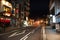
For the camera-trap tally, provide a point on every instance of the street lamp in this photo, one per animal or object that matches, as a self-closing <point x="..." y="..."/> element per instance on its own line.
<point x="51" y="15"/>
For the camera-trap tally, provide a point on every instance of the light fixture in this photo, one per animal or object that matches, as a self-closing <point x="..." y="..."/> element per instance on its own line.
<point x="51" y="15"/>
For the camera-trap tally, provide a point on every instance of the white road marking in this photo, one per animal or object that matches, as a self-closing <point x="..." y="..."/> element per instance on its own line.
<point x="20" y="33"/>
<point x="13" y="34"/>
<point x="25" y="37"/>
<point x="16" y="33"/>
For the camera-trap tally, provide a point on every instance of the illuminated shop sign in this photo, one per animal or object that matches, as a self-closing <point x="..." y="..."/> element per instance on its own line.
<point x="6" y="3"/>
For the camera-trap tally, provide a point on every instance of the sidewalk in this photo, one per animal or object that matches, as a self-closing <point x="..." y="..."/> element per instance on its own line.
<point x="52" y="35"/>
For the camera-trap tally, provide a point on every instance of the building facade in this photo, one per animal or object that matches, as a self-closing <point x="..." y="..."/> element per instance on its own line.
<point x="54" y="8"/>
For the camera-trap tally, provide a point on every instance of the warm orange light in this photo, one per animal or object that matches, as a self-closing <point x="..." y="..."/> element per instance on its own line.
<point x="7" y="14"/>
<point x="41" y="21"/>
<point x="36" y="23"/>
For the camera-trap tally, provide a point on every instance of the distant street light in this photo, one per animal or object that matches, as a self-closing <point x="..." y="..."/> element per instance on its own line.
<point x="51" y="15"/>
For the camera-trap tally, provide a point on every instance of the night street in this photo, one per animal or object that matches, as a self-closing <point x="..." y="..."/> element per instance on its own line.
<point x="37" y="35"/>
<point x="16" y="35"/>
<point x="29" y="19"/>
<point x="32" y="34"/>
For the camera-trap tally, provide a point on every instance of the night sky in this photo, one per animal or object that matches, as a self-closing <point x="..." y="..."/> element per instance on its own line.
<point x="39" y="8"/>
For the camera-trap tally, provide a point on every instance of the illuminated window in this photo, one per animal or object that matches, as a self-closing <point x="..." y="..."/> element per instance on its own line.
<point x="54" y="19"/>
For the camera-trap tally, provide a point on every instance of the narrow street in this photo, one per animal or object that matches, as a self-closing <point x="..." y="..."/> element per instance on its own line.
<point x="32" y="34"/>
<point x="51" y="34"/>
<point x="15" y="35"/>
<point x="37" y="35"/>
<point x="29" y="19"/>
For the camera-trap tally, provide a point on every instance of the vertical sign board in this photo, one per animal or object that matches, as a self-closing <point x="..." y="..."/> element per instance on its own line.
<point x="17" y="11"/>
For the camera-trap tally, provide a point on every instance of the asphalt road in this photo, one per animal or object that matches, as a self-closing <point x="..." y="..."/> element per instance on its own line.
<point x="16" y="35"/>
<point x="37" y="35"/>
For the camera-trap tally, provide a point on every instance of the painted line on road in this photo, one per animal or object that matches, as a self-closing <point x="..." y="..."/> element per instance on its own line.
<point x="25" y="37"/>
<point x="13" y="34"/>
<point x="16" y="34"/>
